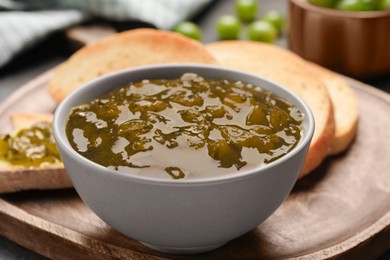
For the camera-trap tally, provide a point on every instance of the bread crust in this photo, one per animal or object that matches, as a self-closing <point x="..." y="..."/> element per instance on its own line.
<point x="291" y="71"/>
<point x="13" y="179"/>
<point x="24" y="120"/>
<point x="127" y="49"/>
<point x="346" y="110"/>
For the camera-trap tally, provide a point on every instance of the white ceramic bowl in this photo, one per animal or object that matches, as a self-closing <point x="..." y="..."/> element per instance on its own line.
<point x="181" y="216"/>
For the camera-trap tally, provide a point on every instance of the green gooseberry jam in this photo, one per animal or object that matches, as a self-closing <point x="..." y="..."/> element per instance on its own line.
<point x="189" y="127"/>
<point x="30" y="147"/>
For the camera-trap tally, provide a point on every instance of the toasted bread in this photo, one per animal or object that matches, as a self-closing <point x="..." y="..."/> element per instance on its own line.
<point x="290" y="71"/>
<point x="13" y="179"/>
<point x="127" y="49"/>
<point x="345" y="103"/>
<point x="16" y="178"/>
<point x="24" y="120"/>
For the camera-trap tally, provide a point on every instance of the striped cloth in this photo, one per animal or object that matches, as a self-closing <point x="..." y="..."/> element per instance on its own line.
<point x="23" y="24"/>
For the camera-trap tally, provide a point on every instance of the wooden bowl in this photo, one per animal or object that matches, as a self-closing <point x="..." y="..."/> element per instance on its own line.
<point x="353" y="43"/>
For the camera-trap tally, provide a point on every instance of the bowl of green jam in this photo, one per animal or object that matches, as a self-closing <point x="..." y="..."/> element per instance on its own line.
<point x="183" y="157"/>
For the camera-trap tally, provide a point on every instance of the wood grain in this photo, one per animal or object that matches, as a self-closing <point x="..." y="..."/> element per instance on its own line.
<point x="342" y="210"/>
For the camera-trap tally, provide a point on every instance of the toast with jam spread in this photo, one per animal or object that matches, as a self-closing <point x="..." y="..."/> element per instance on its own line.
<point x="29" y="158"/>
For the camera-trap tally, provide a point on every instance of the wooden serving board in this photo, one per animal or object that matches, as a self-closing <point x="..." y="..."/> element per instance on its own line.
<point x="341" y="210"/>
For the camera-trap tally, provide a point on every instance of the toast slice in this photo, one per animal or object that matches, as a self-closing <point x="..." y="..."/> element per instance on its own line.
<point x="291" y="71"/>
<point x="122" y="50"/>
<point x="25" y="120"/>
<point x="16" y="178"/>
<point x="346" y="110"/>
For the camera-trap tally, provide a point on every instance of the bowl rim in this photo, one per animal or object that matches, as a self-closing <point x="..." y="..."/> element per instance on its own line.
<point x="304" y="4"/>
<point x="62" y="140"/>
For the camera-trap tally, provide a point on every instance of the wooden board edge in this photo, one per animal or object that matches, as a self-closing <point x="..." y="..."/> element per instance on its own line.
<point x="51" y="238"/>
<point x="370" y="243"/>
<point x="38" y="81"/>
<point x="368" y="88"/>
<point x="364" y="245"/>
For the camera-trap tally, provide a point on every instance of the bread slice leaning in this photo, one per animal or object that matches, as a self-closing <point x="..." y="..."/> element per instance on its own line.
<point x="122" y="50"/>
<point x="15" y="178"/>
<point x="290" y="71"/>
<point x="345" y="104"/>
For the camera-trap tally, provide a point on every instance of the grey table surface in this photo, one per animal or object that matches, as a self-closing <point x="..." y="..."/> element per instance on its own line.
<point x="55" y="50"/>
